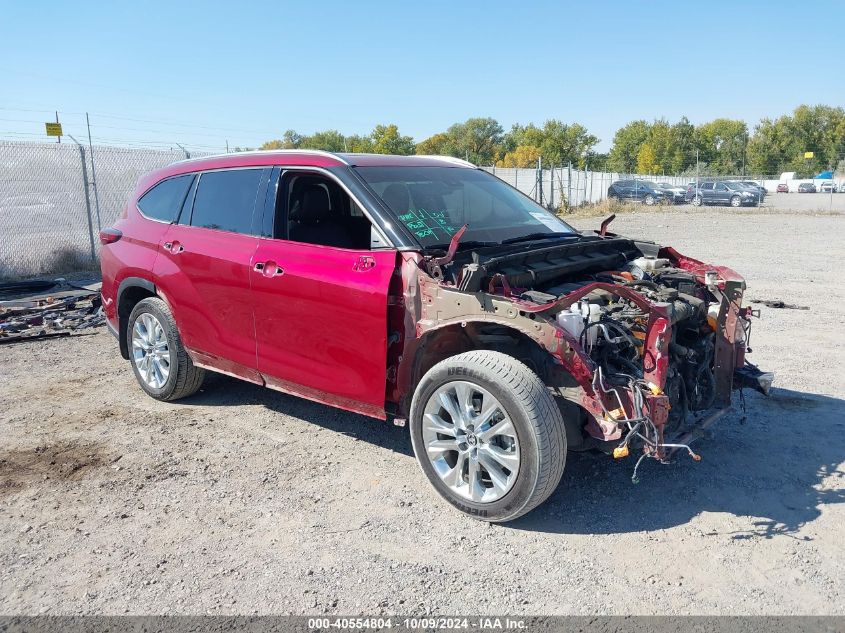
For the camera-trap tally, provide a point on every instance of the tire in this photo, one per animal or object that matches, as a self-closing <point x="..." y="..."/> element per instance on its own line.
<point x="162" y="347"/>
<point x="736" y="201"/>
<point x="649" y="200"/>
<point x="697" y="201"/>
<point x="535" y="435"/>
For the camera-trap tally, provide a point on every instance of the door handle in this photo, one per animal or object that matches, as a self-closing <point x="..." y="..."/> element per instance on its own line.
<point x="268" y="269"/>
<point x="174" y="247"/>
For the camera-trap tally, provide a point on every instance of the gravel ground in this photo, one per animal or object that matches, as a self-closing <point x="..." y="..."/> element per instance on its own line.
<point x="243" y="500"/>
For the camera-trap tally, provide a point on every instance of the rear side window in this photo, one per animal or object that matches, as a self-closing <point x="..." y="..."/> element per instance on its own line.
<point x="225" y="200"/>
<point x="164" y="201"/>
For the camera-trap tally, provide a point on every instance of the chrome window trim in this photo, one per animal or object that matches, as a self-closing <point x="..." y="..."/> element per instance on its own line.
<point x="353" y="197"/>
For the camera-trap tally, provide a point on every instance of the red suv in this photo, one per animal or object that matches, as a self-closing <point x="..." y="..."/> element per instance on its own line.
<point x="425" y="291"/>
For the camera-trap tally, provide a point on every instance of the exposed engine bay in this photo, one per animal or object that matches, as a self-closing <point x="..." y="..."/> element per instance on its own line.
<point x="656" y="341"/>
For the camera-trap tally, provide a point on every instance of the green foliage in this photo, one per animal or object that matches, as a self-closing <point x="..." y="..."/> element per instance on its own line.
<point x="626" y="146"/>
<point x="387" y="140"/>
<point x="522" y="156"/>
<point x="559" y="143"/>
<point x="438" y="145"/>
<point x="477" y="139"/>
<point x="718" y="147"/>
<point x="384" y="139"/>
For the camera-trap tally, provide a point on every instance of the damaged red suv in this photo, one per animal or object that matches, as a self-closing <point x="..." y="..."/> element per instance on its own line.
<point x="425" y="291"/>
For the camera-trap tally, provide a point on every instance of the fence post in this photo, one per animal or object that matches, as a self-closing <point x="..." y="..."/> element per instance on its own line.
<point x="540" y="179"/>
<point x="87" y="198"/>
<point x="569" y="184"/>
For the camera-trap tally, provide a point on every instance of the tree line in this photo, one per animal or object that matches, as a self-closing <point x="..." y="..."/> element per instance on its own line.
<point x="719" y="147"/>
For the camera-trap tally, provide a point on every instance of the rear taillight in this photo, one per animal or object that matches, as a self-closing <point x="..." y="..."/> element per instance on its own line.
<point x="110" y="235"/>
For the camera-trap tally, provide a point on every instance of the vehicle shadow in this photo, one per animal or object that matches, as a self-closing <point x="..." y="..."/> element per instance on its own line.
<point x="780" y="467"/>
<point x="219" y="390"/>
<point x="772" y="466"/>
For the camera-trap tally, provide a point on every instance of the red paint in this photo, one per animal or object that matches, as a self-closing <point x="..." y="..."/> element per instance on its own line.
<point x="321" y="326"/>
<point x="205" y="276"/>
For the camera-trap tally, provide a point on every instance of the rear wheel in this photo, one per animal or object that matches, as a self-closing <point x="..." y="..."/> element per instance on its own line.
<point x="488" y="435"/>
<point x="649" y="200"/>
<point x="736" y="201"/>
<point x="697" y="201"/>
<point x="159" y="360"/>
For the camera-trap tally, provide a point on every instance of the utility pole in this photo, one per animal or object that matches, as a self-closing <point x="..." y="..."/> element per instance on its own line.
<point x="93" y="173"/>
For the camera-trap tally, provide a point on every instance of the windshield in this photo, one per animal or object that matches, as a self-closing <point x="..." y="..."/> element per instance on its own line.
<point x="435" y="202"/>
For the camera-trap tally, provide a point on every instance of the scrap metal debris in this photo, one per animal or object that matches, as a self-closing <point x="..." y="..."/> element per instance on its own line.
<point x="43" y="316"/>
<point x="777" y="303"/>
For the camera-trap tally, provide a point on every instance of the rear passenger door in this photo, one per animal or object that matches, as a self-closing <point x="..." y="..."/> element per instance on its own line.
<point x="707" y="192"/>
<point x="204" y="269"/>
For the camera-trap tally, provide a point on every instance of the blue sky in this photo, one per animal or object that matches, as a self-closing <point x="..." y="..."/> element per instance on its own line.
<point x="203" y="73"/>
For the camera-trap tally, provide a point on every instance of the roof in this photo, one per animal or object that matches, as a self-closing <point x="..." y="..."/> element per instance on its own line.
<point x="298" y="157"/>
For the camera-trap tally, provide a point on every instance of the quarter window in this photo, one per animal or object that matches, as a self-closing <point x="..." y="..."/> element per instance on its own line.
<point x="225" y="200"/>
<point x="164" y="201"/>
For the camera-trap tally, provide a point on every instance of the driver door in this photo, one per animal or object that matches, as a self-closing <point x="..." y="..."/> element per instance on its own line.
<point x="321" y="311"/>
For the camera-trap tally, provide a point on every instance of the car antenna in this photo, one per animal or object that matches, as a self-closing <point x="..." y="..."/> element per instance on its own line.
<point x="606" y="223"/>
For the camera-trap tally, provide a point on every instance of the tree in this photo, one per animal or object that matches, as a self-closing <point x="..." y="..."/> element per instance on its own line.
<point x="683" y="146"/>
<point x="477" y="139"/>
<point x="626" y="146"/>
<point x="290" y="140"/>
<point x="522" y="156"/>
<point x="646" y="161"/>
<point x="327" y="140"/>
<point x="722" y="144"/>
<point x="559" y="143"/>
<point x="437" y="145"/>
<point x="387" y="140"/>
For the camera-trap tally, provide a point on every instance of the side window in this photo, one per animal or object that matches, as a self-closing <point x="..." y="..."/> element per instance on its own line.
<point x="164" y="201"/>
<point x="225" y="200"/>
<point x="314" y="209"/>
<point x="720" y="186"/>
<point x="707" y="186"/>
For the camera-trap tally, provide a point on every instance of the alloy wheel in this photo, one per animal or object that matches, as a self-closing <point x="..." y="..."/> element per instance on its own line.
<point x="150" y="351"/>
<point x="471" y="442"/>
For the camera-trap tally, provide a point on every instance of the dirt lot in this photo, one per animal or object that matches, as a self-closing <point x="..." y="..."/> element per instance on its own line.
<point x="242" y="500"/>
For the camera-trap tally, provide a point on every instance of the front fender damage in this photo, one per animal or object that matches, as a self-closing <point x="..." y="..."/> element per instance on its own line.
<point x="651" y="365"/>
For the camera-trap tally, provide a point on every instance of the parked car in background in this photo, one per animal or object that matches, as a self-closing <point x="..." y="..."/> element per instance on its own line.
<point x="387" y="286"/>
<point x="639" y="190"/>
<point x="756" y="186"/>
<point x="722" y="192"/>
<point x="806" y="187"/>
<point x="783" y="187"/>
<point x="674" y="193"/>
<point x="828" y="186"/>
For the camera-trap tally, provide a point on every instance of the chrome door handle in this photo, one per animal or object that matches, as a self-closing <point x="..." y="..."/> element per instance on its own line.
<point x="174" y="247"/>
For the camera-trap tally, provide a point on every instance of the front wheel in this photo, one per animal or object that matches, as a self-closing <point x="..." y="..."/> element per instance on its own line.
<point x="488" y="435"/>
<point x="736" y="201"/>
<point x="649" y="200"/>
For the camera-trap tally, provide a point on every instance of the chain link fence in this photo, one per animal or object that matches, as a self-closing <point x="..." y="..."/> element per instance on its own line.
<point x="54" y="199"/>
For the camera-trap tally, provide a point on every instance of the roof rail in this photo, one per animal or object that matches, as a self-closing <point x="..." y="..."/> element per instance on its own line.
<point x="316" y="152"/>
<point x="451" y="159"/>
